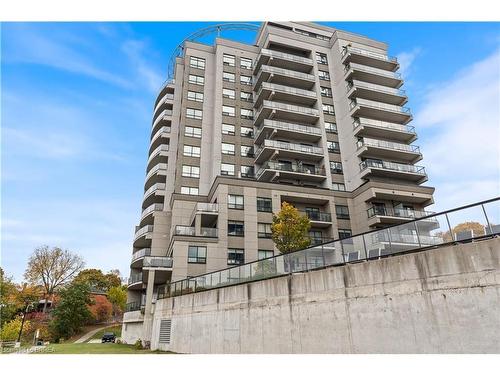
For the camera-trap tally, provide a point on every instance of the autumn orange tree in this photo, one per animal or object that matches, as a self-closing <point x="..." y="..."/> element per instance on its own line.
<point x="290" y="229"/>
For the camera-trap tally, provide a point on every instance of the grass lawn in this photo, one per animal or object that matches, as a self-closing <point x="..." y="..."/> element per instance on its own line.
<point x="117" y="330"/>
<point x="85" y="348"/>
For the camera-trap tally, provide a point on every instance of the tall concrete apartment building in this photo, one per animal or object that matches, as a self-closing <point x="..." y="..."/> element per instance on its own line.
<point x="309" y="114"/>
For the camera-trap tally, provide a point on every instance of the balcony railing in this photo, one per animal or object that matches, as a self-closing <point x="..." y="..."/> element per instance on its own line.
<point x="157" y="262"/>
<point x="375" y="55"/>
<point x="151" y="208"/>
<point x="290" y="147"/>
<point x="384" y="125"/>
<point x="141" y="253"/>
<point x="162" y="116"/>
<point x="143" y="230"/>
<point x="397" y="212"/>
<point x="289" y="127"/>
<point x="182" y="230"/>
<point x="156" y="168"/>
<point x="163" y="129"/>
<point x="286" y="72"/>
<point x="291" y="167"/>
<point x="206" y="207"/>
<point x="378" y="105"/>
<point x="286" y="89"/>
<point x="388" y="145"/>
<point x="318" y="216"/>
<point x="155" y="187"/>
<point x="371" y="163"/>
<point x="133" y="306"/>
<point x="285" y="56"/>
<point x="157" y="150"/>
<point x="380" y="72"/>
<point x="397" y="239"/>
<point x="135" y="278"/>
<point x="165" y="97"/>
<point x="374" y="87"/>
<point x="289" y="108"/>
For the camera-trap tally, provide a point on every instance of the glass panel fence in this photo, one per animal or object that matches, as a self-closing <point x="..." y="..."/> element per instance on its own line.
<point x="492" y="210"/>
<point x="467" y="223"/>
<point x="353" y="249"/>
<point x="433" y="232"/>
<point x="332" y="253"/>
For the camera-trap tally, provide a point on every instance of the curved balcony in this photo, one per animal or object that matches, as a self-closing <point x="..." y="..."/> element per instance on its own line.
<point x="381" y="168"/>
<point x="271" y="128"/>
<point x="372" y="75"/>
<point x="143" y="231"/>
<point x="159" y="137"/>
<point x="380" y="111"/>
<point x="167" y="87"/>
<point x="138" y="256"/>
<point x="154" y="194"/>
<point x="168" y="98"/>
<point x="147" y="213"/>
<point x="135" y="281"/>
<point x="275" y="171"/>
<point x="270" y="148"/>
<point x="286" y="112"/>
<point x="156" y="175"/>
<point x="283" y="60"/>
<point x="273" y="91"/>
<point x="158" y="155"/>
<point x="375" y="148"/>
<point x="364" y="57"/>
<point x="165" y="115"/>
<point x="364" y="90"/>
<point x="383" y="129"/>
<point x="285" y="77"/>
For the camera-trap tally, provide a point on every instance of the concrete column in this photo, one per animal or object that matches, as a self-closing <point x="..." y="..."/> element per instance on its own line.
<point x="148" y="311"/>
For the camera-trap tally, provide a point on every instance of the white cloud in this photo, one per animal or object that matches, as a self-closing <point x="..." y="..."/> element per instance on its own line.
<point x="461" y="119"/>
<point x="406" y="60"/>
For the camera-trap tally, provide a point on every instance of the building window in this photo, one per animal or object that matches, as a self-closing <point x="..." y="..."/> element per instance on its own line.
<point x="330" y="127"/>
<point x="325" y="76"/>
<point x="228" y="129"/>
<point x="190" y="131"/>
<point x="342" y="212"/>
<point x="228" y="77"/>
<point x="235" y="228"/>
<point x="263" y="254"/>
<point x="336" y="167"/>
<point x="245" y="63"/>
<point x="197" y="254"/>
<point x="246" y="113"/>
<point x="264" y="204"/>
<point x="190" y="171"/>
<point x="228" y="110"/>
<point x="235" y="202"/>
<point x="247" y="171"/>
<point x="333" y="147"/>
<point x="193" y="151"/>
<point x="227" y="169"/>
<point x="338" y="186"/>
<point x="235" y="256"/>
<point x="196" y="80"/>
<point x="229" y="60"/>
<point x="195" y="96"/>
<point x="264" y="230"/>
<point x="197" y="114"/>
<point x="247" y="151"/>
<point x="189" y="190"/>
<point x="246" y="132"/>
<point x="328" y="109"/>
<point x="197" y="62"/>
<point x="326" y="91"/>
<point x="344" y="233"/>
<point x="228" y="93"/>
<point x="245" y="80"/>
<point x="321" y="58"/>
<point x="246" y="96"/>
<point x="228" y="149"/>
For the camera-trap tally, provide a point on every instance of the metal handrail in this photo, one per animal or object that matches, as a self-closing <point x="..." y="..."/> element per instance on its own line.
<point x="287" y="89"/>
<point x="384" y="124"/>
<point x="381" y="72"/>
<point x="135" y="278"/>
<point x="289" y="107"/>
<point x="290" y="167"/>
<point x="382" y="164"/>
<point x="372" y="86"/>
<point x="388" y="145"/>
<point x="288" y="126"/>
<point x="290" y="146"/>
<point x="286" y="56"/>
<point x="286" y="72"/>
<point x="376" y="55"/>
<point x="414" y="235"/>
<point x="141" y="253"/>
<point x="397" y="212"/>
<point x="378" y="105"/>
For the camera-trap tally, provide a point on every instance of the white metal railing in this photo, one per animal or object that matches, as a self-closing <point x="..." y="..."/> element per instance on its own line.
<point x="290" y="147"/>
<point x="384" y="124"/>
<point x="285" y="56"/>
<point x="367" y="69"/>
<point x="156" y="168"/>
<point x="389" y="165"/>
<point x="388" y="145"/>
<point x="379" y="88"/>
<point x="155" y="187"/>
<point x="141" y="253"/>
<point x="287" y="89"/>
<point x="289" y="107"/>
<point x="143" y="230"/>
<point x="378" y="105"/>
<point x="363" y="52"/>
<point x="290" y="127"/>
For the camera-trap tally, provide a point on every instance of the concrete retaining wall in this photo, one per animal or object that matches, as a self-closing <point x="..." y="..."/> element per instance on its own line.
<point x="444" y="300"/>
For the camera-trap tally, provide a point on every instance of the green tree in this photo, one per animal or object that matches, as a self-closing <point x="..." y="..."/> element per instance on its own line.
<point x="97" y="280"/>
<point x="10" y="330"/>
<point x="117" y="295"/>
<point x="113" y="278"/>
<point x="52" y="268"/>
<point x="8" y="302"/>
<point x="290" y="229"/>
<point x="72" y="312"/>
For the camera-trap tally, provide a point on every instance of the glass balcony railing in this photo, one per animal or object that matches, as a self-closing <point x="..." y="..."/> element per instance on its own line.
<point x="318" y="216"/>
<point x="388" y="145"/>
<point x="397" y="239"/>
<point x="397" y="212"/>
<point x="152" y="208"/>
<point x="374" y="87"/>
<point x="291" y="167"/>
<point x="290" y="147"/>
<point x="162" y="116"/>
<point x="289" y="127"/>
<point x="380" y="72"/>
<point x="289" y="108"/>
<point x="206" y="207"/>
<point x="143" y="230"/>
<point x="141" y="253"/>
<point x="162" y="130"/>
<point x="286" y="89"/>
<point x="363" y="52"/>
<point x="286" y="72"/>
<point x="156" y="168"/>
<point x="157" y="150"/>
<point x="378" y="105"/>
<point x="155" y="187"/>
<point x="371" y="163"/>
<point x="285" y="56"/>
<point x="135" y="278"/>
<point x="384" y="125"/>
<point x="182" y="230"/>
<point x="157" y="261"/>
<point x="165" y="97"/>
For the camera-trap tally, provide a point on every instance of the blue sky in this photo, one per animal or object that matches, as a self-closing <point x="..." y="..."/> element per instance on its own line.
<point x="76" y="107"/>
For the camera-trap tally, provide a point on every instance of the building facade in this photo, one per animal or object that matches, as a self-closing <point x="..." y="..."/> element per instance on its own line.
<point x="310" y="115"/>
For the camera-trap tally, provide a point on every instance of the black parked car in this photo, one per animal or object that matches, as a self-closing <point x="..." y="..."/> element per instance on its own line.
<point x="108" y="337"/>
